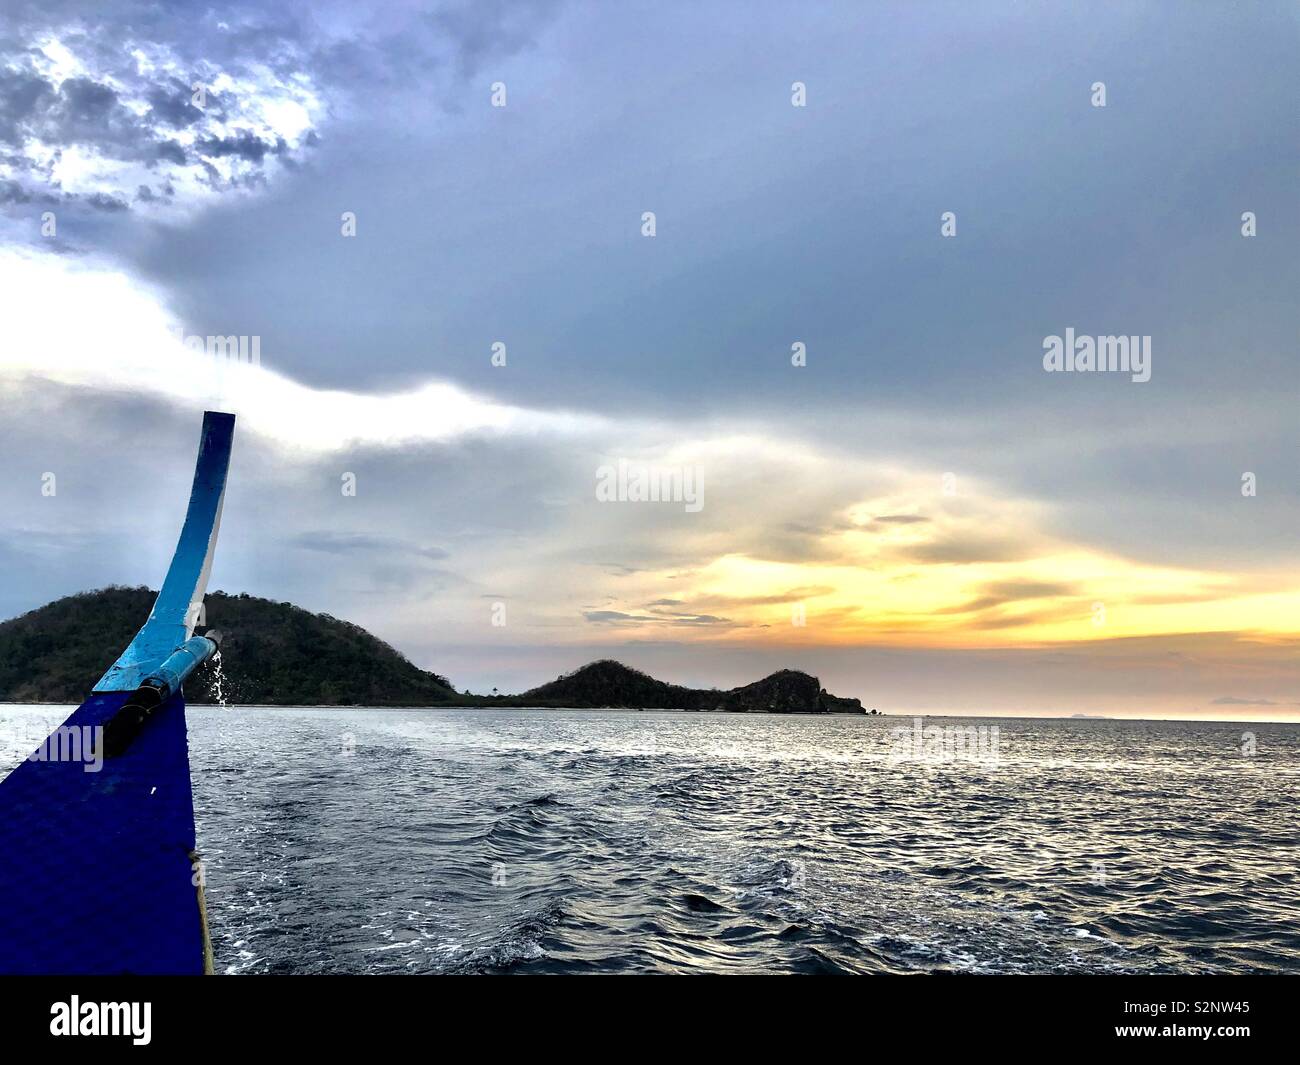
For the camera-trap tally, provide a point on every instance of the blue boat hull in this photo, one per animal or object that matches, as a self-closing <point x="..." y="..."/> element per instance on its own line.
<point x="97" y="866"/>
<point x="97" y="874"/>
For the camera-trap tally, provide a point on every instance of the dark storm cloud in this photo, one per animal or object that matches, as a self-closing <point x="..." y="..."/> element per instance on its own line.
<point x="102" y="201"/>
<point x="86" y="113"/>
<point x="87" y="103"/>
<point x="244" y="145"/>
<point x="79" y="111"/>
<point x="22" y="95"/>
<point x="133" y="97"/>
<point x="171" y="104"/>
<point x="166" y="151"/>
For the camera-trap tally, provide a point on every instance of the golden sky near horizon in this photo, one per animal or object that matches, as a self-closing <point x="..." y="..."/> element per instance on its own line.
<point x="929" y="571"/>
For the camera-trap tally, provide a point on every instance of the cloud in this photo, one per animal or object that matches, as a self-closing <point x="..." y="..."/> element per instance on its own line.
<point x="603" y="617"/>
<point x="1010" y="591"/>
<point x="783" y="598"/>
<point x="1230" y="700"/>
<point x="243" y="144"/>
<point x="334" y="543"/>
<point x="164" y="109"/>
<point x="121" y="339"/>
<point x="785" y="521"/>
<point x="171" y="103"/>
<point x="91" y="114"/>
<point x="968" y="546"/>
<point x="619" y="617"/>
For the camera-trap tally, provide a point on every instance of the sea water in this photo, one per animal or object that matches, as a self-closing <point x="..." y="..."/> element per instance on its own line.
<point x="393" y="841"/>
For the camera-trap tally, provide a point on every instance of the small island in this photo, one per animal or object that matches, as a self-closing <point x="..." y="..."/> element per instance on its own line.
<point x="611" y="684"/>
<point x="277" y="654"/>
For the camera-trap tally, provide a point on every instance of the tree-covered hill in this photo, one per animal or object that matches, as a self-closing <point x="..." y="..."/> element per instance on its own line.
<point x="610" y="683"/>
<point x="274" y="653"/>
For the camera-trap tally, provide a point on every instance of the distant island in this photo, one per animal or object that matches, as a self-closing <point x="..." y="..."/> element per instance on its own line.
<point x="612" y="684"/>
<point x="277" y="654"/>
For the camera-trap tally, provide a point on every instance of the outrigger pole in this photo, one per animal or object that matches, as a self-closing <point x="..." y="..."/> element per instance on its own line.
<point x="98" y="872"/>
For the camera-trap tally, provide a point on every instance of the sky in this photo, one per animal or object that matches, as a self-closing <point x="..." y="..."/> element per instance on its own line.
<point x="800" y="264"/>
